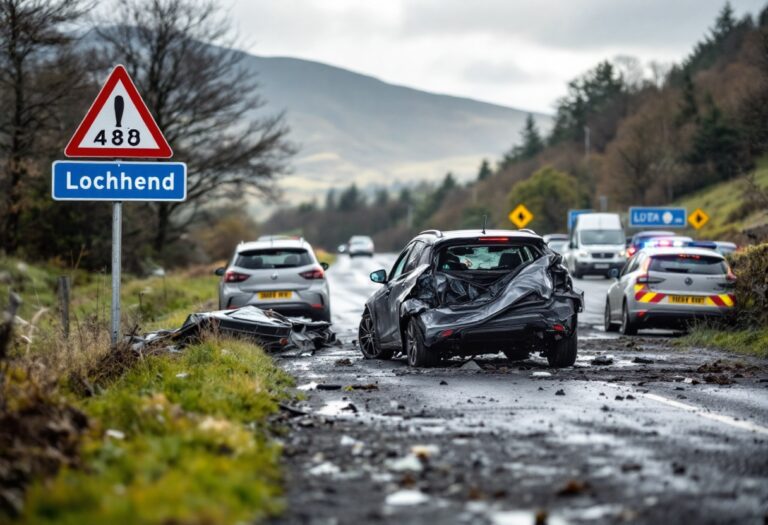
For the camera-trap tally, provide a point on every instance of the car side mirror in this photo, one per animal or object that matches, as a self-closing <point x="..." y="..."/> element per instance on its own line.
<point x="379" y="276"/>
<point x="324" y="265"/>
<point x="219" y="271"/>
<point x="614" y="273"/>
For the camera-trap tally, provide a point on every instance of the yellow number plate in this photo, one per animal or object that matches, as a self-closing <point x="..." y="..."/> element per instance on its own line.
<point x="275" y="295"/>
<point x="687" y="299"/>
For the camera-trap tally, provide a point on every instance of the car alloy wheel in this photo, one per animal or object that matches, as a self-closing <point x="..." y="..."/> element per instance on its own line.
<point x="627" y="328"/>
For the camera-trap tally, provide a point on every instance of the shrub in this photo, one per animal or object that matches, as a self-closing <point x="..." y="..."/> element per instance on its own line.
<point x="751" y="269"/>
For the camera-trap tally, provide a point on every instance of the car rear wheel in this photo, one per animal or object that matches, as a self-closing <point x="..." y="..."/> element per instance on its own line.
<point x="366" y="337"/>
<point x="627" y="327"/>
<point x="609" y="325"/>
<point x="418" y="354"/>
<point x="563" y="352"/>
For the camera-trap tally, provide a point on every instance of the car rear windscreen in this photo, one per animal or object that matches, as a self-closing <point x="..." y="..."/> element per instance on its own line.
<point x="273" y="258"/>
<point x="495" y="257"/>
<point x="688" y="263"/>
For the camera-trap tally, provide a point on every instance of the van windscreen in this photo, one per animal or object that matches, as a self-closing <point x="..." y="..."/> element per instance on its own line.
<point x="602" y="237"/>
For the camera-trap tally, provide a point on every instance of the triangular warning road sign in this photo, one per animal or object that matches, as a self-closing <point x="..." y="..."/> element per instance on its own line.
<point x="118" y="124"/>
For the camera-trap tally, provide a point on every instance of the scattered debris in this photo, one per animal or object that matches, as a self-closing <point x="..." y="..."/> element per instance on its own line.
<point x="424" y="452"/>
<point x="307" y="386"/>
<point x="182" y="375"/>
<point x="560" y="392"/>
<point x="114" y="434"/>
<point x="367" y="387"/>
<point x="718" y="379"/>
<point x="269" y="328"/>
<point x="343" y="362"/>
<point x="619" y="398"/>
<point x="443" y="382"/>
<point x="678" y="469"/>
<point x="471" y="365"/>
<point x="404" y="498"/>
<point x="602" y="360"/>
<point x="574" y="487"/>
<point x="631" y="467"/>
<point x="642" y="360"/>
<point x="541" y="374"/>
<point x="327" y="386"/>
<point x="409" y="463"/>
<point x="691" y="381"/>
<point x="324" y="469"/>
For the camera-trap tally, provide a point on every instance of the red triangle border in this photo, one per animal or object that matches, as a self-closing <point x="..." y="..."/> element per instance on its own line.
<point x="118" y="74"/>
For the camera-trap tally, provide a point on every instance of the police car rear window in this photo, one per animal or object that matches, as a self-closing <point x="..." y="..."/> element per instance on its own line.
<point x="688" y="263"/>
<point x="273" y="258"/>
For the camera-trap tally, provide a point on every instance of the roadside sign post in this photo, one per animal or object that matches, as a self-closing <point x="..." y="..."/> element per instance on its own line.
<point x="117" y="238"/>
<point x="660" y="217"/>
<point x="118" y="125"/>
<point x="520" y="216"/>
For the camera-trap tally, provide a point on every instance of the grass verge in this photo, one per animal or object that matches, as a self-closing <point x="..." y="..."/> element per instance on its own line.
<point x="155" y="438"/>
<point x="745" y="342"/>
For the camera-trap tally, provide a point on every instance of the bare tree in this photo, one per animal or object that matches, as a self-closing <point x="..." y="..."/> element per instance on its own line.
<point x="179" y="53"/>
<point x="36" y="76"/>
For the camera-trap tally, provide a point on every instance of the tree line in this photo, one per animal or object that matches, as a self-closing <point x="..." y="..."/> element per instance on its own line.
<point x="625" y="133"/>
<point x="53" y="56"/>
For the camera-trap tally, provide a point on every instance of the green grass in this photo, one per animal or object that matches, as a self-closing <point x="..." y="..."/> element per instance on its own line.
<point x="194" y="440"/>
<point x="153" y="302"/>
<point x="195" y="446"/>
<point x="744" y="342"/>
<point x="722" y="203"/>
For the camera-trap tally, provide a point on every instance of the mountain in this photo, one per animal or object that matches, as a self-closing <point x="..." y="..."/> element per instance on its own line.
<point x="353" y="127"/>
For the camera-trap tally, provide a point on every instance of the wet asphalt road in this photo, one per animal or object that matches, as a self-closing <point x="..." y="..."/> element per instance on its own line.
<point x="663" y="434"/>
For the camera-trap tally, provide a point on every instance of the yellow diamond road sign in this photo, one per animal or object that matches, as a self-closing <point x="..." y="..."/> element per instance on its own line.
<point x="698" y="218"/>
<point x="520" y="216"/>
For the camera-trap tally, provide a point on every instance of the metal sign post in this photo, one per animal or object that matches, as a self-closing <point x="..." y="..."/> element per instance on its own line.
<point x="117" y="237"/>
<point x="118" y="124"/>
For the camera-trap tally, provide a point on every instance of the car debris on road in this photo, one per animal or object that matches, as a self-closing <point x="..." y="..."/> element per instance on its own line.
<point x="268" y="328"/>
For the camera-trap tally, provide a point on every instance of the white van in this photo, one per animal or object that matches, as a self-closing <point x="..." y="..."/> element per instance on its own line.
<point x="597" y="245"/>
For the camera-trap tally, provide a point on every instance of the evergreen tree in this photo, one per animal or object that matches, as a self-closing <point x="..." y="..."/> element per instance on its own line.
<point x="381" y="198"/>
<point x="531" y="144"/>
<point x="350" y="199"/>
<point x="718" y="151"/>
<point x="485" y="170"/>
<point x="330" y="200"/>
<point x="689" y="109"/>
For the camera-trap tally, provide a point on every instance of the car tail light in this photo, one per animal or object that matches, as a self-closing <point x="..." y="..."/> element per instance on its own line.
<point x="644" y="278"/>
<point x="315" y="273"/>
<point x="447" y="333"/>
<point x="493" y="239"/>
<point x="558" y="328"/>
<point x="235" y="277"/>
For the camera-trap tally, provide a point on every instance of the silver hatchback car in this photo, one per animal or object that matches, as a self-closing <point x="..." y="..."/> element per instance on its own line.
<point x="667" y="288"/>
<point x="276" y="274"/>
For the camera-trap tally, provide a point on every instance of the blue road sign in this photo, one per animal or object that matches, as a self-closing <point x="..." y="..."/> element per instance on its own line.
<point x="572" y="214"/>
<point x="119" y="181"/>
<point x="658" y="217"/>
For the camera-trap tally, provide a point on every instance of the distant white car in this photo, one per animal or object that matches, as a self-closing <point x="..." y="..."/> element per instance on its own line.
<point x="360" y="245"/>
<point x="667" y="288"/>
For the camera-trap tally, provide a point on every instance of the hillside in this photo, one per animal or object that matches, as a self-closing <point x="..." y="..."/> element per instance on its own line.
<point x="355" y="128"/>
<point x="728" y="205"/>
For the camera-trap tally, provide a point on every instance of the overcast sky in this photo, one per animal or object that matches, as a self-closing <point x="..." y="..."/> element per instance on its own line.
<point x="518" y="53"/>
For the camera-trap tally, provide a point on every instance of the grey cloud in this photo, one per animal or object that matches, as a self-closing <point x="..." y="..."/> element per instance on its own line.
<point x="580" y="24"/>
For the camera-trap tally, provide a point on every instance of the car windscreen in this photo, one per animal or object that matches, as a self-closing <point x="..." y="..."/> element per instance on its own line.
<point x="602" y="237"/>
<point x="485" y="257"/>
<point x="558" y="246"/>
<point x="273" y="258"/>
<point x="688" y="263"/>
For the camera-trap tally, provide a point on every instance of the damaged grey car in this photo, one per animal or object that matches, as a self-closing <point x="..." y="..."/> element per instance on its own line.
<point x="471" y="293"/>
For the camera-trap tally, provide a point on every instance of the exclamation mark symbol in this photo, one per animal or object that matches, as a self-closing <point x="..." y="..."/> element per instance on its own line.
<point x="119" y="107"/>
